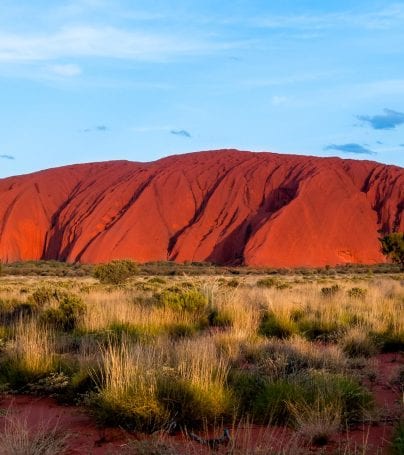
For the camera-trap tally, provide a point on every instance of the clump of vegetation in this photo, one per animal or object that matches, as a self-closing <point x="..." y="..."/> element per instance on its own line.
<point x="393" y="247"/>
<point x="268" y="282"/>
<point x="190" y="300"/>
<point x="18" y="438"/>
<point x="194" y="352"/>
<point x="273" y="325"/>
<point x="330" y="291"/>
<point x="357" y="343"/>
<point x="115" y="272"/>
<point x="66" y="315"/>
<point x="30" y="354"/>
<point x="357" y="293"/>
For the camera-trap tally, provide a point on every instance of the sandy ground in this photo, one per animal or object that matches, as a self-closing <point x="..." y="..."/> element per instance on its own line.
<point x="86" y="438"/>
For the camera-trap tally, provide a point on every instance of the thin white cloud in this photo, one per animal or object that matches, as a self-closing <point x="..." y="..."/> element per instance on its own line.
<point x="102" y="42"/>
<point x="381" y="19"/>
<point x="66" y="70"/>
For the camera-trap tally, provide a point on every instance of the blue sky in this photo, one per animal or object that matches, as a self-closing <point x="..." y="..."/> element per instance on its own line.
<point x="93" y="80"/>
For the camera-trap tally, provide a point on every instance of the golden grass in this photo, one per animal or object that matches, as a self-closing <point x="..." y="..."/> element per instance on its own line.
<point x="32" y="347"/>
<point x="146" y="378"/>
<point x="18" y="438"/>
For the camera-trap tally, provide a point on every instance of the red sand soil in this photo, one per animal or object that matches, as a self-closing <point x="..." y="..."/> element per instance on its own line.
<point x="87" y="438"/>
<point x="225" y="206"/>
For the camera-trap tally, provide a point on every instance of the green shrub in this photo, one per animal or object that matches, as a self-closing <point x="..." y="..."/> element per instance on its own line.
<point x="266" y="282"/>
<point x="345" y="391"/>
<point x="45" y="295"/>
<point x="217" y="318"/>
<point x="181" y="330"/>
<point x="357" y="343"/>
<point x="130" y="411"/>
<point x="156" y="280"/>
<point x="357" y="293"/>
<point x="246" y="386"/>
<point x="115" y="272"/>
<point x="193" y="404"/>
<point x="389" y="341"/>
<point x="330" y="291"/>
<point x="233" y="283"/>
<point x="67" y="315"/>
<point x="317" y="329"/>
<point x="393" y="247"/>
<point x="183" y="300"/>
<point x="271" y="404"/>
<point x="272" y="326"/>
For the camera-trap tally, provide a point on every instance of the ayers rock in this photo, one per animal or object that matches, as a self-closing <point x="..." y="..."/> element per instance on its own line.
<point x="225" y="206"/>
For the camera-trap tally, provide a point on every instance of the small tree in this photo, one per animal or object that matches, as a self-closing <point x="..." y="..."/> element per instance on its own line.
<point x="393" y="247"/>
<point x="115" y="272"/>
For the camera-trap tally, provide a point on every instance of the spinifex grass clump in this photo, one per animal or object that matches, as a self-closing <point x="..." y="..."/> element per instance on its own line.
<point x="194" y="390"/>
<point x="279" y="400"/>
<point x="17" y="438"/>
<point x="30" y="354"/>
<point x="274" y="325"/>
<point x="127" y="384"/>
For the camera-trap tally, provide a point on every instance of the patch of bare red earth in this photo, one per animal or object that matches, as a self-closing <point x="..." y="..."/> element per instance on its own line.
<point x="87" y="438"/>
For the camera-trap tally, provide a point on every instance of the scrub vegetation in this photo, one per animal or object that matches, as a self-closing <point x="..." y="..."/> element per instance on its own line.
<point x="184" y="353"/>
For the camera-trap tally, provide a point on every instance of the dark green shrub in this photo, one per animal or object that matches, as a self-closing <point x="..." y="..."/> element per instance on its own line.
<point x="267" y="282"/>
<point x="131" y="412"/>
<point x="389" y="341"/>
<point x="45" y="295"/>
<point x="330" y="291"/>
<point x="271" y="404"/>
<point x="345" y="391"/>
<point x="183" y="300"/>
<point x="233" y="283"/>
<point x="218" y="318"/>
<point x="181" y="330"/>
<point x="272" y="326"/>
<point x="316" y="329"/>
<point x="156" y="280"/>
<point x="357" y="293"/>
<point x="246" y="386"/>
<point x="194" y="404"/>
<point x="393" y="247"/>
<point x="115" y="272"/>
<point x="67" y="315"/>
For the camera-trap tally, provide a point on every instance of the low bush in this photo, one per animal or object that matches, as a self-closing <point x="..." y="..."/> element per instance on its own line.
<point x="66" y="315"/>
<point x="330" y="291"/>
<point x="189" y="300"/>
<point x="273" y="326"/>
<point x="267" y="282"/>
<point x="357" y="343"/>
<point x="271" y="403"/>
<point x="115" y="272"/>
<point x="219" y="318"/>
<point x="193" y="403"/>
<point x="357" y="293"/>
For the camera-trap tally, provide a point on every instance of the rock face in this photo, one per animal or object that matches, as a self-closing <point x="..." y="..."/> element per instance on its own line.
<point x="226" y="206"/>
